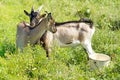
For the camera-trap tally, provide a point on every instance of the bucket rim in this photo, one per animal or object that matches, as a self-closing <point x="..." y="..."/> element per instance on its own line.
<point x="95" y="57"/>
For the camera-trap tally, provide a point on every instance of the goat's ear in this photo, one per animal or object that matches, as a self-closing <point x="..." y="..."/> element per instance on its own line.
<point x="26" y="13"/>
<point x="40" y="8"/>
<point x="49" y="16"/>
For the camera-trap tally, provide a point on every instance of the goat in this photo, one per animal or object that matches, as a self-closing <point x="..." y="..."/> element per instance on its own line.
<point x="70" y="33"/>
<point x="34" y="16"/>
<point x="26" y="35"/>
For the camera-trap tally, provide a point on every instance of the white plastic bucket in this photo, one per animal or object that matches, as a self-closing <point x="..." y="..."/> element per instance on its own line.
<point x="99" y="61"/>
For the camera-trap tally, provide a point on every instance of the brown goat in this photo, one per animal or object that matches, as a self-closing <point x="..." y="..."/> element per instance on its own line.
<point x="26" y="35"/>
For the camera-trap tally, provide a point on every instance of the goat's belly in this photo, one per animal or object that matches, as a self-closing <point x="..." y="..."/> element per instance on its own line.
<point x="72" y="44"/>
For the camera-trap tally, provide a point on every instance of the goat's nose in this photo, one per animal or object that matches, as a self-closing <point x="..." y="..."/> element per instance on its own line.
<point x="32" y="24"/>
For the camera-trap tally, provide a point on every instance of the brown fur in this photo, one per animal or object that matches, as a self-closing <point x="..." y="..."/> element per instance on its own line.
<point x="25" y="35"/>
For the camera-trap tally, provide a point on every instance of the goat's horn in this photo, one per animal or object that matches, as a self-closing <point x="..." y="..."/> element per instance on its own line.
<point x="39" y="9"/>
<point x="32" y="9"/>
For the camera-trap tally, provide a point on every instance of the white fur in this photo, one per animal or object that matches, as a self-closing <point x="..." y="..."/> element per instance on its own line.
<point x="69" y="36"/>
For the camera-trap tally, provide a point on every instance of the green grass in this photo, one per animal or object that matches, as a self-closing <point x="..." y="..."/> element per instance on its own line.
<point x="65" y="63"/>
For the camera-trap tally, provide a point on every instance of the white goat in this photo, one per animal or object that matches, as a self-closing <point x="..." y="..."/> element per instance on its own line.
<point x="71" y="33"/>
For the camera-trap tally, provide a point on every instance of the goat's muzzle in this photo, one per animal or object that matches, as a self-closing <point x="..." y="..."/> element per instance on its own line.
<point x="32" y="24"/>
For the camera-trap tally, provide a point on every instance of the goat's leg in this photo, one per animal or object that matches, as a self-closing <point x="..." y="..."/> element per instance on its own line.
<point x="88" y="47"/>
<point x="45" y="47"/>
<point x="48" y="53"/>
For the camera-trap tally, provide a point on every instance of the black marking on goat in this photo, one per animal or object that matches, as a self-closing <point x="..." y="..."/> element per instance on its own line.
<point x="62" y="23"/>
<point x="85" y="20"/>
<point x="33" y="15"/>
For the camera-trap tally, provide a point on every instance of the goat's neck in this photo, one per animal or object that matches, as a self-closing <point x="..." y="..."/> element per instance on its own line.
<point x="38" y="31"/>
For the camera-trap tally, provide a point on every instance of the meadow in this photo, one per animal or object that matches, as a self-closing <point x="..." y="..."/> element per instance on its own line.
<point x="66" y="63"/>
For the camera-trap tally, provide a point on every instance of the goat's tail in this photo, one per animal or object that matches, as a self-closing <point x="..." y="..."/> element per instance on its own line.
<point x="86" y="20"/>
